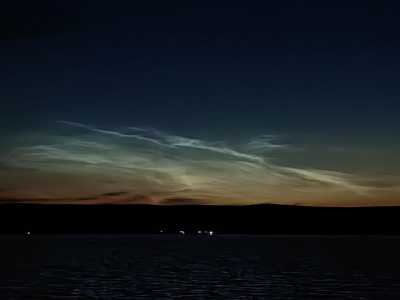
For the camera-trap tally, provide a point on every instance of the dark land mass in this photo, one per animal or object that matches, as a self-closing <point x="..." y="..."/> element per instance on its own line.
<point x="252" y="219"/>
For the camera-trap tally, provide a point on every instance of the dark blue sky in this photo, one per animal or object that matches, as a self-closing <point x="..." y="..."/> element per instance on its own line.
<point x="291" y="62"/>
<point x="314" y="73"/>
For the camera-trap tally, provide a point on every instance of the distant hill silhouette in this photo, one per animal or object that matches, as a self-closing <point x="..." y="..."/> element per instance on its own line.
<point x="251" y="219"/>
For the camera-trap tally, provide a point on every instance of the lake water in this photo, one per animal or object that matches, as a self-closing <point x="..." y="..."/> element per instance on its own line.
<point x="190" y="267"/>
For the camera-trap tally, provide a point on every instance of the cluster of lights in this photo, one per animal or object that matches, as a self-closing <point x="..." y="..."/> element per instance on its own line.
<point x="206" y="232"/>
<point x="199" y="232"/>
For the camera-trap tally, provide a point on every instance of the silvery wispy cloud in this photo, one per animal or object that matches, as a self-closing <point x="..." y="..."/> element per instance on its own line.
<point x="153" y="166"/>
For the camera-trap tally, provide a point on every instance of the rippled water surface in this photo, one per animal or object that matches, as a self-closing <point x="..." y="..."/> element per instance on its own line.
<point x="190" y="267"/>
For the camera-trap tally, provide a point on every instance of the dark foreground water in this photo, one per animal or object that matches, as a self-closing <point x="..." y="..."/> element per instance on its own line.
<point x="189" y="267"/>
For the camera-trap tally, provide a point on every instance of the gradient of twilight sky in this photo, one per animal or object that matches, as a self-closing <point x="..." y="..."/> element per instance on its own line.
<point x="293" y="102"/>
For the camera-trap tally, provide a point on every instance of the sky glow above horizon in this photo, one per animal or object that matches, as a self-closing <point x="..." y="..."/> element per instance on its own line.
<point x="82" y="164"/>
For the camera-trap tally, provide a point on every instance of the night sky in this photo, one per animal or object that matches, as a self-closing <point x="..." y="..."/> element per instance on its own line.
<point x="288" y="102"/>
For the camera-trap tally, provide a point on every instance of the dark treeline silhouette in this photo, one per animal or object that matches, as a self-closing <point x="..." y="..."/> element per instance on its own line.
<point x="253" y="219"/>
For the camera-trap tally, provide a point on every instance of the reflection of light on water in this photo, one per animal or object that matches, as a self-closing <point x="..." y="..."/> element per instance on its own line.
<point x="261" y="269"/>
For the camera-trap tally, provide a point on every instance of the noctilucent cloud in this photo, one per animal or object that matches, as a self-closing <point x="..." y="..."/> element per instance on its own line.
<point x="193" y="104"/>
